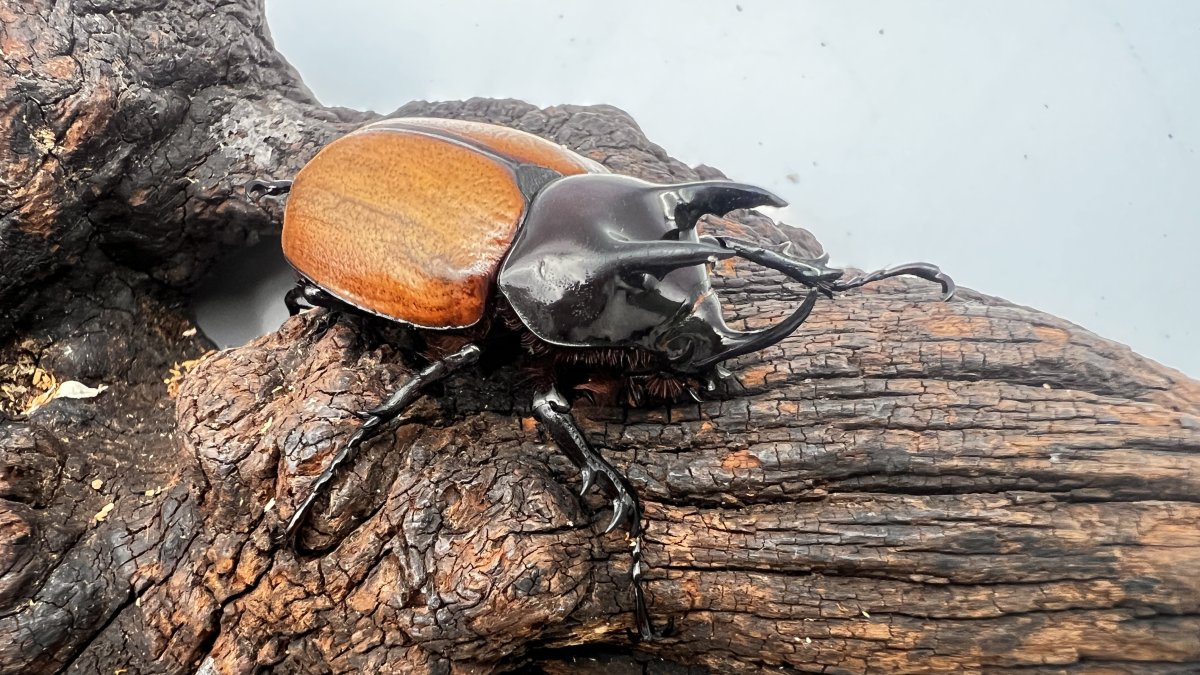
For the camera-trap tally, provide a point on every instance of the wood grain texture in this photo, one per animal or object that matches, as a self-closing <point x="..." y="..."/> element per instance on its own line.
<point x="873" y="497"/>
<point x="903" y="486"/>
<point x="403" y="224"/>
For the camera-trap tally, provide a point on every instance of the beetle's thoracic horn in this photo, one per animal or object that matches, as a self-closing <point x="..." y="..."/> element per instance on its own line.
<point x="717" y="197"/>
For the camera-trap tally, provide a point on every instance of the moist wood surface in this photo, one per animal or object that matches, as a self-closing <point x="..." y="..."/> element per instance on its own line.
<point x="902" y="486"/>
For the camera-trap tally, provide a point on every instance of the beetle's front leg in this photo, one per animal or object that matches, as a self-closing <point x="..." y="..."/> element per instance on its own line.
<point x="813" y="272"/>
<point x="553" y="411"/>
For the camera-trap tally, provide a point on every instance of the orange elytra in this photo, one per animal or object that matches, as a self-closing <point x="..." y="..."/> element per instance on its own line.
<point x="410" y="218"/>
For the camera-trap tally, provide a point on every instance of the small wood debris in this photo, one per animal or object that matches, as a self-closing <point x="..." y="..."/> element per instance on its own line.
<point x="43" y="379"/>
<point x="97" y="484"/>
<point x="183" y="368"/>
<point x="102" y="515"/>
<point x="51" y="389"/>
<point x="189" y="332"/>
<point x="22" y="382"/>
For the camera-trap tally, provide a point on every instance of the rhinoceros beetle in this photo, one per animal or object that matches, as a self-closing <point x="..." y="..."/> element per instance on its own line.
<point x="464" y="231"/>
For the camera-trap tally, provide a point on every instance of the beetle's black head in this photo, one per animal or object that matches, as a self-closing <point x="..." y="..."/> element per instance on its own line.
<point x="612" y="261"/>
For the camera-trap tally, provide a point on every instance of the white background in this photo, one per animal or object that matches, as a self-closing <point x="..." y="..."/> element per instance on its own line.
<point x="1043" y="151"/>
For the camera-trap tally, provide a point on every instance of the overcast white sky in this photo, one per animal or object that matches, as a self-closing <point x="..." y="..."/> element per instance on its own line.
<point x="1043" y="151"/>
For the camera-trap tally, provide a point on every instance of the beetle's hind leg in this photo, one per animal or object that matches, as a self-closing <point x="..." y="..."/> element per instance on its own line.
<point x="553" y="411"/>
<point x="374" y="421"/>
<point x="311" y="295"/>
<point x="306" y="295"/>
<point x="256" y="188"/>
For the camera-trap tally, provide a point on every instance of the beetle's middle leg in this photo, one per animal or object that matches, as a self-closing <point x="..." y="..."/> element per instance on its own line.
<point x="814" y="273"/>
<point x="373" y="423"/>
<point x="553" y="411"/>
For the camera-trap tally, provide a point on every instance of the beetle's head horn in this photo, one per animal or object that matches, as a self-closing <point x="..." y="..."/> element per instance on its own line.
<point x="698" y="342"/>
<point x="690" y="201"/>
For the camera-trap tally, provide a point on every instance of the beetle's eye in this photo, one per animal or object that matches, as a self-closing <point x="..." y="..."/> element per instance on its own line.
<point x="680" y="348"/>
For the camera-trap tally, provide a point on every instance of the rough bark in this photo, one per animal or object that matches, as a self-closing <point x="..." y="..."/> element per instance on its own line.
<point x="902" y="486"/>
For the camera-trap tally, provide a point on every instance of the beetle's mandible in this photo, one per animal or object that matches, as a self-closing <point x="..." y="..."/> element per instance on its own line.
<point x="467" y="231"/>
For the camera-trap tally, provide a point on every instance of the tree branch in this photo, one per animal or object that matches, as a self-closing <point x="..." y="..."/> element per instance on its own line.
<point x="903" y="485"/>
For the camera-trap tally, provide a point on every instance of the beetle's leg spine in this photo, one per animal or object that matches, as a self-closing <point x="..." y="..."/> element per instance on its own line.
<point x="373" y="422"/>
<point x="646" y="629"/>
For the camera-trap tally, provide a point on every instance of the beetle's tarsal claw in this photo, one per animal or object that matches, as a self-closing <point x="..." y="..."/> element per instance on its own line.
<point x="623" y="508"/>
<point x="373" y="421"/>
<point x="649" y="633"/>
<point x="921" y="270"/>
<point x="948" y="286"/>
<point x="588" y="477"/>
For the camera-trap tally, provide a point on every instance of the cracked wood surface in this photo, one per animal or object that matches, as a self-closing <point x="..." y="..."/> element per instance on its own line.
<point x="902" y="486"/>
